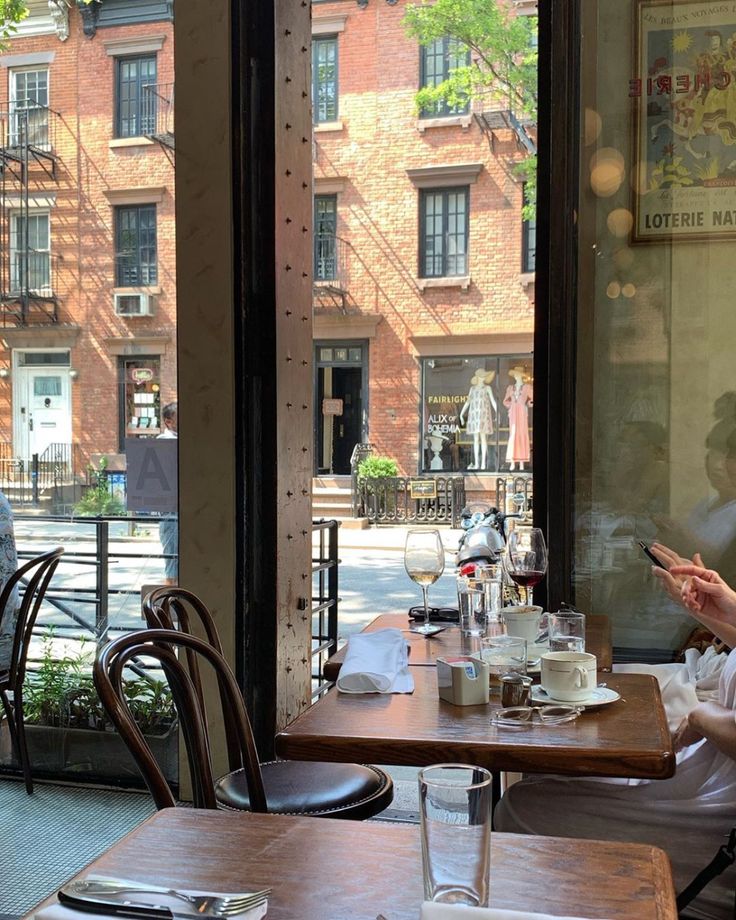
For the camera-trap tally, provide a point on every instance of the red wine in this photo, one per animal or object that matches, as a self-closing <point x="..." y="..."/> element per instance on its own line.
<point x="527" y="579"/>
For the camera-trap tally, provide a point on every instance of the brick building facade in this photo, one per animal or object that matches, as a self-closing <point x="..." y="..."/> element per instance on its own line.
<point x="87" y="261"/>
<point x="410" y="304"/>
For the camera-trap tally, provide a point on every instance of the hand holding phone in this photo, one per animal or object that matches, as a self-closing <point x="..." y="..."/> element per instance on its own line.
<point x="650" y="555"/>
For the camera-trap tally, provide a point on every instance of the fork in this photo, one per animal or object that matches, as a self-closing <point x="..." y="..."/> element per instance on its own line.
<point x="104" y="890"/>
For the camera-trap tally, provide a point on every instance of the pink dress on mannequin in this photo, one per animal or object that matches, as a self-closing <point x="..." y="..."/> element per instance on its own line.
<point x="518" y="402"/>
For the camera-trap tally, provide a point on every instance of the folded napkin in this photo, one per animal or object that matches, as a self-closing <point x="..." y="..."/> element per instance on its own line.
<point x="376" y="662"/>
<point x="62" y="912"/>
<point x="432" y="911"/>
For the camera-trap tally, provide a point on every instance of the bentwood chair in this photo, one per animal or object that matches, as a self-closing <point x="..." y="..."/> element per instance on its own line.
<point x="283" y="787"/>
<point x="335" y="790"/>
<point x="17" y="619"/>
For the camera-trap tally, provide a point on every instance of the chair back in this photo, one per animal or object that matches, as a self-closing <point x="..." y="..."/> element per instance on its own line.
<point x="36" y="574"/>
<point x="176" y="608"/>
<point x="161" y="645"/>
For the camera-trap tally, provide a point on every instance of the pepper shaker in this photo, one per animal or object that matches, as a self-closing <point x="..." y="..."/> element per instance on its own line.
<point x="515" y="690"/>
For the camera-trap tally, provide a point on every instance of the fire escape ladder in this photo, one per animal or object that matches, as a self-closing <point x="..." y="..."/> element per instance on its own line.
<point x="158" y="114"/>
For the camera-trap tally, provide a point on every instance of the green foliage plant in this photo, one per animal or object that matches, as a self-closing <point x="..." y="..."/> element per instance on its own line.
<point x="502" y="73"/>
<point x="376" y="468"/>
<point x="98" y="501"/>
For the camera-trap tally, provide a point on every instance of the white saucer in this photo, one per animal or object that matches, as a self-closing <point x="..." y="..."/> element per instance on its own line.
<point x="601" y="696"/>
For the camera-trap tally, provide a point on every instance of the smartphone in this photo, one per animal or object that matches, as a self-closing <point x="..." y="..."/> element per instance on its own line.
<point x="650" y="555"/>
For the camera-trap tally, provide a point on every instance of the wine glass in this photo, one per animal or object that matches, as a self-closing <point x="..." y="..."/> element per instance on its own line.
<point x="424" y="560"/>
<point x="526" y="558"/>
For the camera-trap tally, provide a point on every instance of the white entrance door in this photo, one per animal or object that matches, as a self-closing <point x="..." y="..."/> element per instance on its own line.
<point x="42" y="409"/>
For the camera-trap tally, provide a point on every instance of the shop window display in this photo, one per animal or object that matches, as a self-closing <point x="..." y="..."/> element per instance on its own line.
<point x="141" y="397"/>
<point x="476" y="414"/>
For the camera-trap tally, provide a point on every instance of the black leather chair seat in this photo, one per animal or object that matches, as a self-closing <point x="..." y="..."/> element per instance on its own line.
<point x="324" y="790"/>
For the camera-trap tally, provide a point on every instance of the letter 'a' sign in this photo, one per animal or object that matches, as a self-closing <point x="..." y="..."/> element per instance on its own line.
<point x="152" y="474"/>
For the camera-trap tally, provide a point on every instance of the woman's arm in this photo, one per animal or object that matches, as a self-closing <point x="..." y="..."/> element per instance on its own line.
<point x="709" y="720"/>
<point x="709" y="599"/>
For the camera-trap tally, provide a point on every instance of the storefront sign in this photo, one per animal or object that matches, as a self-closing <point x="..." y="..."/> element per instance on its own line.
<point x="152" y="474"/>
<point x="332" y="407"/>
<point x="141" y="374"/>
<point x="684" y="93"/>
<point x="422" y="488"/>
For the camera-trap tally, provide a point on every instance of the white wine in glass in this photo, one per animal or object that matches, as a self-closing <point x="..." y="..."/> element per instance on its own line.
<point x="424" y="560"/>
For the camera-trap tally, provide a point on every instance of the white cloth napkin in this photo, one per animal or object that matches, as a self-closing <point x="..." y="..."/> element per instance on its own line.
<point x="376" y="662"/>
<point x="431" y="911"/>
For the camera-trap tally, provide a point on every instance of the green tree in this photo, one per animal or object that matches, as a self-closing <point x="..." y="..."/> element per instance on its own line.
<point x="502" y="73"/>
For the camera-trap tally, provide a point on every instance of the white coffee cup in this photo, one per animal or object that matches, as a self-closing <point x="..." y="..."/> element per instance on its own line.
<point x="569" y="676"/>
<point x="522" y="621"/>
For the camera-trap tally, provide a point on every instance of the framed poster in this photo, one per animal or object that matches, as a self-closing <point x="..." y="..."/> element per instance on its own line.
<point x="684" y="95"/>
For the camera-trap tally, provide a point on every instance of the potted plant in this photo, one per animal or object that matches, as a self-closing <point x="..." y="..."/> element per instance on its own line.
<point x="377" y="486"/>
<point x="68" y="730"/>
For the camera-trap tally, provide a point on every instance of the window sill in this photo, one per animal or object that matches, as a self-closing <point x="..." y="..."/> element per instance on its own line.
<point x="154" y="289"/>
<point x="526" y="279"/>
<point x="323" y="127"/>
<point x="451" y="121"/>
<point x="131" y="142"/>
<point x="461" y="281"/>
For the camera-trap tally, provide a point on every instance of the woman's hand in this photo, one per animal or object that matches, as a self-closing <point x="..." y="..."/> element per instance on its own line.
<point x="672" y="583"/>
<point x="705" y="594"/>
<point x="685" y="735"/>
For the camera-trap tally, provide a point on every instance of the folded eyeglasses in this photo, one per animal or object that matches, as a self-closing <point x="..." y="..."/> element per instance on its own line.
<point x="523" y="716"/>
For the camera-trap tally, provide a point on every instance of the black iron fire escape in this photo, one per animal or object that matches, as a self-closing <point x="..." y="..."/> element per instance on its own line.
<point x="158" y="113"/>
<point x="330" y="273"/>
<point x="28" y="163"/>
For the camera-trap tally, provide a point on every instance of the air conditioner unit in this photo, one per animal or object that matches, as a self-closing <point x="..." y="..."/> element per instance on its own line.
<point x="133" y="304"/>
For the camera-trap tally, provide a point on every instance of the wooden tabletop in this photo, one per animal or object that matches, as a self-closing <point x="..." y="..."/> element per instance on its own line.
<point x="626" y="738"/>
<point x="322" y="869"/>
<point x="425" y="651"/>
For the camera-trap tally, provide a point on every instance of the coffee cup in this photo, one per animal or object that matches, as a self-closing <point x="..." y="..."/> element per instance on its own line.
<point x="523" y="621"/>
<point x="569" y="676"/>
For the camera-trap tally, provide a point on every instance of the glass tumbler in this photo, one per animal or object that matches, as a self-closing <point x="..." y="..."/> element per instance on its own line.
<point x="455" y="819"/>
<point x="504" y="655"/>
<point x="471" y="599"/>
<point x="566" y="631"/>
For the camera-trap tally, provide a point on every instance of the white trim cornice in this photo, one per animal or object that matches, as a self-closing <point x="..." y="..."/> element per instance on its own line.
<point x="117" y="47"/>
<point x="445" y="175"/>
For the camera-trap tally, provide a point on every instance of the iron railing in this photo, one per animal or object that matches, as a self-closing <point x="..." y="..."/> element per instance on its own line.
<point x="514" y="494"/>
<point x="325" y="601"/>
<point x="26" y="124"/>
<point x="330" y="270"/>
<point x="388" y="500"/>
<point x="157" y="114"/>
<point x="360" y="453"/>
<point x="40" y="477"/>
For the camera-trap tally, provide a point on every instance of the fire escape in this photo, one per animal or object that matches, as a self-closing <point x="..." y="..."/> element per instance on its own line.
<point x="330" y="273"/>
<point x="28" y="164"/>
<point x="158" y="114"/>
<point x="495" y="120"/>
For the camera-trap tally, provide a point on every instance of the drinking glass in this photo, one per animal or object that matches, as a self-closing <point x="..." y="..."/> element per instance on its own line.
<point x="471" y="599"/>
<point x="456" y="833"/>
<point x="424" y="561"/>
<point x="526" y="558"/>
<point x="566" y="631"/>
<point x="504" y="655"/>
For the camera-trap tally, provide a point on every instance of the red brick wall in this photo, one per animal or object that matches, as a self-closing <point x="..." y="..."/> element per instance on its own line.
<point x="81" y="90"/>
<point x="378" y="215"/>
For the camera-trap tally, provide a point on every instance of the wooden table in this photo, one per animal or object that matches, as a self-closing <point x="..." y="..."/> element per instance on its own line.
<point x="322" y="869"/>
<point x="626" y="738"/>
<point x="450" y="642"/>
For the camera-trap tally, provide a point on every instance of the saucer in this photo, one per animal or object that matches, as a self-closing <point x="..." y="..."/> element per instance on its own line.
<point x="601" y="696"/>
<point x="427" y="632"/>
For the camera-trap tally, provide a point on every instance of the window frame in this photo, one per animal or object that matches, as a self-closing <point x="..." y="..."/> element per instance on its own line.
<point x="444" y="192"/>
<point x="316" y="41"/>
<point x="151" y="277"/>
<point x="528" y="246"/>
<point x="15" y="107"/>
<point x="441" y="109"/>
<point x="319" y="276"/>
<point x="141" y="120"/>
<point x="16" y="281"/>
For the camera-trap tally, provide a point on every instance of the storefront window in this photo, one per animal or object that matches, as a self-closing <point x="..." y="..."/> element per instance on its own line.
<point x="476" y="414"/>
<point x="141" y="397"/>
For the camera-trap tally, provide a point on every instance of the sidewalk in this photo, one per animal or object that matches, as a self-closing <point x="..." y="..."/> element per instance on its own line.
<point x="392" y="537"/>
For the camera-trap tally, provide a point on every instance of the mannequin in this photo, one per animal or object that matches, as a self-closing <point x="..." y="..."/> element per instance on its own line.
<point x="479" y="408"/>
<point x="519" y="396"/>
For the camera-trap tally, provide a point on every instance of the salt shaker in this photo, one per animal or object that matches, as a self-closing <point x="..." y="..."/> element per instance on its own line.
<point x="515" y="690"/>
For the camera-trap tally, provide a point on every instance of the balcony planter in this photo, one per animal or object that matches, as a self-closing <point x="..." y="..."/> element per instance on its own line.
<point x="74" y="751"/>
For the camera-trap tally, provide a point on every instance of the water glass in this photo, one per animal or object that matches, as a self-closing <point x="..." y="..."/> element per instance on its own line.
<point x="471" y="598"/>
<point x="566" y="631"/>
<point x="456" y="833"/>
<point x="504" y="655"/>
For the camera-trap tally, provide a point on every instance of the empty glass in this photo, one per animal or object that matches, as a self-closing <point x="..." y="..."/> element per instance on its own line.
<point x="504" y="655"/>
<point x="566" y="631"/>
<point x="456" y="833"/>
<point x="471" y="599"/>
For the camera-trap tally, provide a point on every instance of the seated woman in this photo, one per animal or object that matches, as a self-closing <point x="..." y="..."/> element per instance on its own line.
<point x="8" y="567"/>
<point x="688" y="815"/>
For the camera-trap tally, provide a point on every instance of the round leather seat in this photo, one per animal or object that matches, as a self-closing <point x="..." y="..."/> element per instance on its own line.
<point x="326" y="790"/>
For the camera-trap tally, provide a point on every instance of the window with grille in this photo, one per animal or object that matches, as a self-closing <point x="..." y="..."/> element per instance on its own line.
<point x="135" y="246"/>
<point x="443" y="232"/>
<point x="324" y="79"/>
<point x="529" y="245"/>
<point x="30" y="255"/>
<point x="135" y="107"/>
<point x="325" y="237"/>
<point x="437" y="61"/>
<point x="29" y="113"/>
